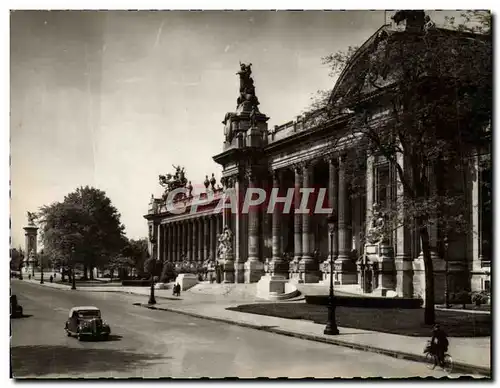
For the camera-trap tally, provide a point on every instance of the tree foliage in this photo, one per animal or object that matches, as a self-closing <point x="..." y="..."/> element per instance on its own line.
<point x="137" y="251"/>
<point x="420" y="100"/>
<point x="16" y="259"/>
<point x="85" y="228"/>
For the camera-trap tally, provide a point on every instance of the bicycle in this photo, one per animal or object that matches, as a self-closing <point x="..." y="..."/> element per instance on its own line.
<point x="432" y="361"/>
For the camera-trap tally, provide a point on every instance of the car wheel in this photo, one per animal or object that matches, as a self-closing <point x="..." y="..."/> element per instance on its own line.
<point x="105" y="337"/>
<point x="80" y="337"/>
<point x="68" y="333"/>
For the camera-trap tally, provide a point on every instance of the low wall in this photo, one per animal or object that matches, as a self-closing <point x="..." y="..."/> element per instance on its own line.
<point x="369" y="302"/>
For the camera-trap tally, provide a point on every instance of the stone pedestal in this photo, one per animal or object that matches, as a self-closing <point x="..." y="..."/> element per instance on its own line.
<point x="385" y="270"/>
<point x="366" y="277"/>
<point x="404" y="277"/>
<point x="239" y="272"/>
<point x="308" y="271"/>
<point x="254" y="269"/>
<point x="228" y="271"/>
<point x="345" y="272"/>
<point x="278" y="267"/>
<point x="270" y="287"/>
<point x="455" y="275"/>
<point x="293" y="271"/>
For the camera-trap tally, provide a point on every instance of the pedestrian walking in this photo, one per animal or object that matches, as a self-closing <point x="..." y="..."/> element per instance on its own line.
<point x="51" y="278"/>
<point x="29" y="276"/>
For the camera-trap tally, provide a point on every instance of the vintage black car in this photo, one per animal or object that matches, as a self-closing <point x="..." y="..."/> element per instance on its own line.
<point x="86" y="322"/>
<point x="16" y="310"/>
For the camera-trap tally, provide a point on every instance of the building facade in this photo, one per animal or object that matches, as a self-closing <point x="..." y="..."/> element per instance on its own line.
<point x="300" y="155"/>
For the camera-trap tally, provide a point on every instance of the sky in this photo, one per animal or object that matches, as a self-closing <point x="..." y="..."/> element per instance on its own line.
<point x="113" y="99"/>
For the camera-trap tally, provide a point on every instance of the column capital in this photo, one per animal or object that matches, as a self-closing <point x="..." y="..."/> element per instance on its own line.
<point x="297" y="168"/>
<point x="342" y="157"/>
<point x="276" y="175"/>
<point x="331" y="158"/>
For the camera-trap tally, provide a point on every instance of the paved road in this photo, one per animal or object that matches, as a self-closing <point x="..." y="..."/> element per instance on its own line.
<point x="148" y="343"/>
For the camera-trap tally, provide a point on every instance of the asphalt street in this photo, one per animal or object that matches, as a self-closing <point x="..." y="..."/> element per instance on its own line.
<point x="151" y="344"/>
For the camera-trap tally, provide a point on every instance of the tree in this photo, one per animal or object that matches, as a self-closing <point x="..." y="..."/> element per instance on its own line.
<point x="137" y="250"/>
<point x="121" y="264"/>
<point x="152" y="267"/>
<point x="16" y="259"/>
<point x="419" y="98"/>
<point x="83" y="229"/>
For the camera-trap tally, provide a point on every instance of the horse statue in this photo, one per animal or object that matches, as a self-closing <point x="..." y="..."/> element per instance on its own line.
<point x="173" y="181"/>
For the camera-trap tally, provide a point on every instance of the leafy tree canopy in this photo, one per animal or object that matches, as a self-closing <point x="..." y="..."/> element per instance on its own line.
<point x="85" y="228"/>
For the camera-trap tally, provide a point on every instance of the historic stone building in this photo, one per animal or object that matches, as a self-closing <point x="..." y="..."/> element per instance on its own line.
<point x="299" y="155"/>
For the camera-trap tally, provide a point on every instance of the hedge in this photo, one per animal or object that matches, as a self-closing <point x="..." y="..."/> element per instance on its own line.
<point x="136" y="283"/>
<point x="368" y="302"/>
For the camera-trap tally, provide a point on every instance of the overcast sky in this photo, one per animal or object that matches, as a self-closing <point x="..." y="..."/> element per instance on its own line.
<point x="113" y="99"/>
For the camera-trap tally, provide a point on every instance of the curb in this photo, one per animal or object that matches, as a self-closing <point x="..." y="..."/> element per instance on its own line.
<point x="457" y="367"/>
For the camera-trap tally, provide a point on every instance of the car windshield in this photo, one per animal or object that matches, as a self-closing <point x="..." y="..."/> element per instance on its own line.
<point x="86" y="314"/>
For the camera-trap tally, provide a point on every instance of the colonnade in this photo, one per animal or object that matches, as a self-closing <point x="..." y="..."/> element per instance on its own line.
<point x="193" y="239"/>
<point x="196" y="239"/>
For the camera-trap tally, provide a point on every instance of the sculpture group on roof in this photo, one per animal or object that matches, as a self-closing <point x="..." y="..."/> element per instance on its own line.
<point x="173" y="181"/>
<point x="247" y="88"/>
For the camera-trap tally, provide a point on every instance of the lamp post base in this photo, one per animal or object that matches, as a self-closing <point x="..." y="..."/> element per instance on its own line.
<point x="329" y="330"/>
<point x="152" y="299"/>
<point x="331" y="325"/>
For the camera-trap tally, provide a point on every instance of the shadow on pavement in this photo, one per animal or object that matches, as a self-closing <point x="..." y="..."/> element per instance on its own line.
<point x="21" y="316"/>
<point x="111" y="338"/>
<point x="41" y="360"/>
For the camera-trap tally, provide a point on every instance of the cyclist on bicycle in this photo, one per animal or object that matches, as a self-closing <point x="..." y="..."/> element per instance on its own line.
<point x="439" y="343"/>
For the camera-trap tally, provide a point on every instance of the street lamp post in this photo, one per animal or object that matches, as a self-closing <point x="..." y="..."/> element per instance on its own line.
<point x="331" y="325"/>
<point x="73" y="283"/>
<point x="41" y="266"/>
<point x="446" y="290"/>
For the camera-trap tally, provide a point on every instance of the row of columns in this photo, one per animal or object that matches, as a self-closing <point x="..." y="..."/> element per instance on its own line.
<point x="304" y="262"/>
<point x="196" y="239"/>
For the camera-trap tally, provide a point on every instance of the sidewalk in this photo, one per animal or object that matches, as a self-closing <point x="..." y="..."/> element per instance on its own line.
<point x="470" y="355"/>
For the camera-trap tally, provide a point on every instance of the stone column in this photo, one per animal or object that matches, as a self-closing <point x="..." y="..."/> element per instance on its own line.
<point x="166" y="244"/>
<point x="278" y="266"/>
<point x="174" y="247"/>
<point x="206" y="239"/>
<point x="30" y="247"/>
<point x="218" y="226"/>
<point x="297" y="225"/>
<point x="159" y="242"/>
<point x="333" y="204"/>
<point x="178" y="241"/>
<point x="240" y="233"/>
<point x="213" y="237"/>
<point x="254" y="268"/>
<point x="477" y="257"/>
<point x="200" y="240"/>
<point x="194" y="238"/>
<point x="188" y="239"/>
<point x="344" y="266"/>
<point x="308" y="268"/>
<point x="171" y="242"/>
